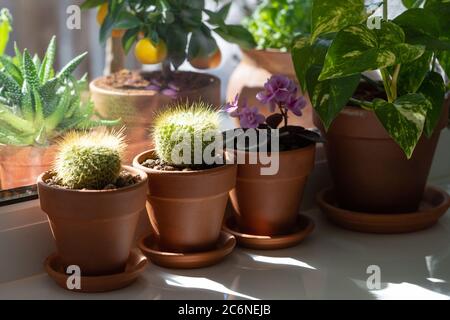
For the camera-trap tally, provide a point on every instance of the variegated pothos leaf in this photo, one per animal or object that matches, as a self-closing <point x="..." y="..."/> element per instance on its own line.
<point x="404" y="119"/>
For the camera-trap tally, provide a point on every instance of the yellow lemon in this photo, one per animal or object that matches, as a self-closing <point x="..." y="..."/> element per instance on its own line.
<point x="148" y="53"/>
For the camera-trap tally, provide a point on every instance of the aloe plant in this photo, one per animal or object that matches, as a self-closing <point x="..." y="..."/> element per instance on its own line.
<point x="37" y="104"/>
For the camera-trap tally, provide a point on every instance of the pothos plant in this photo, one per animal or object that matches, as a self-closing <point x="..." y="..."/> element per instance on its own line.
<point x="282" y="97"/>
<point x="342" y="46"/>
<point x="170" y="31"/>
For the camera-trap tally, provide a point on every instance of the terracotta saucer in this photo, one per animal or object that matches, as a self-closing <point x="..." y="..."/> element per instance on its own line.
<point x="434" y="204"/>
<point x="150" y="248"/>
<point x="135" y="266"/>
<point x="303" y="228"/>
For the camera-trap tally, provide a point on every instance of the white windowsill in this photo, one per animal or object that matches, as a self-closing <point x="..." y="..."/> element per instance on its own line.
<point x="330" y="264"/>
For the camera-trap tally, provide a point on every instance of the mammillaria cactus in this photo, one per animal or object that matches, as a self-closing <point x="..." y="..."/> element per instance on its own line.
<point x="37" y="104"/>
<point x="89" y="160"/>
<point x="185" y="127"/>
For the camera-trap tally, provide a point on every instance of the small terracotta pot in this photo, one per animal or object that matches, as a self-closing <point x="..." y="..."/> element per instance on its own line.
<point x="250" y="75"/>
<point x="269" y="204"/>
<point x="369" y="170"/>
<point x="137" y="108"/>
<point x="186" y="208"/>
<point x="20" y="166"/>
<point x="94" y="229"/>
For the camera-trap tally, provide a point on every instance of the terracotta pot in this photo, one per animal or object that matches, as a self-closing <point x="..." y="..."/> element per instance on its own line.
<point x="186" y="208"/>
<point x="137" y="108"/>
<point x="250" y="75"/>
<point x="370" y="171"/>
<point x="269" y="204"/>
<point x="94" y="229"/>
<point x="20" y="166"/>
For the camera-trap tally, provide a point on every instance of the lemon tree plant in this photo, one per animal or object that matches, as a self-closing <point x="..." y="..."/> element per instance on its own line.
<point x="169" y="31"/>
<point x="404" y="51"/>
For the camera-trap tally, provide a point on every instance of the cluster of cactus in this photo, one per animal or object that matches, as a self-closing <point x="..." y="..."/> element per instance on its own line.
<point x="196" y="124"/>
<point x="89" y="160"/>
<point x="37" y="104"/>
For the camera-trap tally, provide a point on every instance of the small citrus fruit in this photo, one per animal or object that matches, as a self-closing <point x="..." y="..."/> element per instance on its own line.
<point x="208" y="62"/>
<point x="148" y="53"/>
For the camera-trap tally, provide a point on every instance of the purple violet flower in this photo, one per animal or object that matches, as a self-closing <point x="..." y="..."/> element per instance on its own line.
<point x="277" y="90"/>
<point x="232" y="107"/>
<point x="250" y="117"/>
<point x="295" y="105"/>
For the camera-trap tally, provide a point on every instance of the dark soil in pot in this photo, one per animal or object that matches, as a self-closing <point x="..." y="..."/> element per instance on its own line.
<point x="186" y="208"/>
<point x="369" y="170"/>
<point x="94" y="229"/>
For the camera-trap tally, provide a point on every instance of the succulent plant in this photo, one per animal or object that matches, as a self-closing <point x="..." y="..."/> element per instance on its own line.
<point x="89" y="160"/>
<point x="186" y="126"/>
<point x="37" y="104"/>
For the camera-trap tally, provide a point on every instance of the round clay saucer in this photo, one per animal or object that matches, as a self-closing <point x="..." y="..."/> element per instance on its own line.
<point x="192" y="260"/>
<point x="135" y="266"/>
<point x="302" y="229"/>
<point x="434" y="204"/>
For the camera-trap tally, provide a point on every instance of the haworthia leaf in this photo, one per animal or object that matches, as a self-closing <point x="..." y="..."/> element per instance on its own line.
<point x="14" y="121"/>
<point x="52" y="121"/>
<point x="38" y="109"/>
<point x="18" y="57"/>
<point x="331" y="16"/>
<point x="12" y="69"/>
<point x="47" y="63"/>
<point x="29" y="71"/>
<point x="404" y="119"/>
<point x="358" y="49"/>
<point x="433" y="88"/>
<point x="71" y="66"/>
<point x="11" y="87"/>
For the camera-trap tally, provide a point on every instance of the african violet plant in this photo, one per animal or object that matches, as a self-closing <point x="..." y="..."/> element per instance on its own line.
<point x="343" y="45"/>
<point x="37" y="104"/>
<point x="169" y="31"/>
<point x="274" y="24"/>
<point x="281" y="94"/>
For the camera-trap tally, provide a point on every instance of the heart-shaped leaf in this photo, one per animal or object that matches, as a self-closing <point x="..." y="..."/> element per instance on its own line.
<point x="413" y="73"/>
<point x="331" y="16"/>
<point x="404" y="119"/>
<point x="274" y="120"/>
<point x="329" y="97"/>
<point x="433" y="88"/>
<point x="358" y="49"/>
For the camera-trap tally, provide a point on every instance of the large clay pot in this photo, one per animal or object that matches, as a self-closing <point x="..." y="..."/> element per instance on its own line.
<point x="137" y="108"/>
<point x="269" y="204"/>
<point x="186" y="208"/>
<point x="94" y="229"/>
<point x="369" y="170"/>
<point x="253" y="71"/>
<point x="20" y="166"/>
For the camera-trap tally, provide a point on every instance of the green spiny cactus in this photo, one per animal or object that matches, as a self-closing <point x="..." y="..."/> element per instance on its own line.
<point x="38" y="104"/>
<point x="89" y="160"/>
<point x="192" y="124"/>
